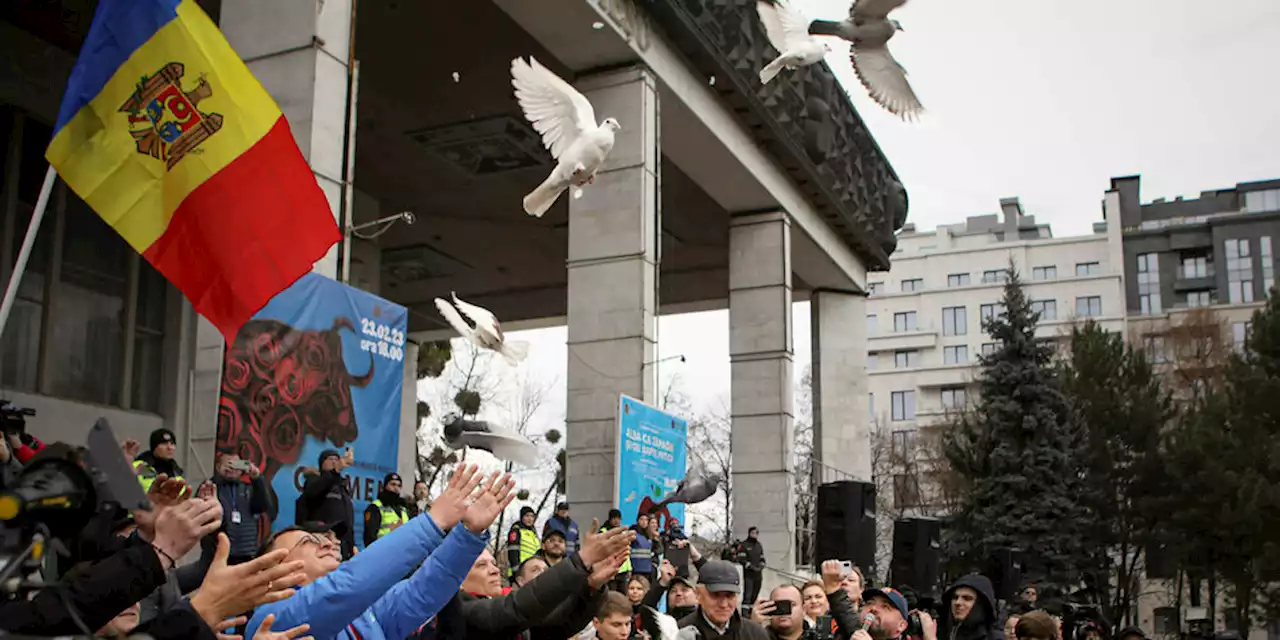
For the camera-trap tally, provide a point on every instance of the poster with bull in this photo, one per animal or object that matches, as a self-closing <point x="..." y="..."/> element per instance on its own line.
<point x="319" y="368"/>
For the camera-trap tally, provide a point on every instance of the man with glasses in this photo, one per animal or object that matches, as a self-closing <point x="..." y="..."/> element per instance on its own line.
<point x="365" y="597"/>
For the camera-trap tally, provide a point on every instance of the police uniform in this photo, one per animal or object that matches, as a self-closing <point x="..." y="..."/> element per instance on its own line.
<point x="148" y="467"/>
<point x="522" y="542"/>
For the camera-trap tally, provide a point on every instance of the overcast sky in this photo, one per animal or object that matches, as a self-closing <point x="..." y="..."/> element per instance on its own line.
<point x="1041" y="99"/>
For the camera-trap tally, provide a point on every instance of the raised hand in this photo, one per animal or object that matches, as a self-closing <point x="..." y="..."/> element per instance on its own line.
<point x="596" y="547"/>
<point x="666" y="572"/>
<point x="264" y="631"/>
<point x="496" y="494"/>
<point x="179" y="528"/>
<point x="167" y="492"/>
<point x="449" y="508"/>
<point x="760" y="612"/>
<point x="229" y="591"/>
<point x="220" y="631"/>
<point x="349" y="458"/>
<point x="833" y="575"/>
<point x="605" y="570"/>
<point x="130" y="449"/>
<point x="207" y="491"/>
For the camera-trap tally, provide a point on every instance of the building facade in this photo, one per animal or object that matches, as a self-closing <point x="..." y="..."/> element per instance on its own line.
<point x="925" y="318"/>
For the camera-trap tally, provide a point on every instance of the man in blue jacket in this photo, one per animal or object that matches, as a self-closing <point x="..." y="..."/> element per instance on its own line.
<point x="365" y="598"/>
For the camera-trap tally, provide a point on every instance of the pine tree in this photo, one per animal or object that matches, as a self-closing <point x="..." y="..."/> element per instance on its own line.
<point x="1121" y="405"/>
<point x="1020" y="455"/>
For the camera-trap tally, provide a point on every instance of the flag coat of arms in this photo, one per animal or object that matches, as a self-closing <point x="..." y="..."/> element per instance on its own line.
<point x="166" y="134"/>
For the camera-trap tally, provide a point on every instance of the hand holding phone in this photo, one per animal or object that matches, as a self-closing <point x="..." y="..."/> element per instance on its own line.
<point x="781" y="608"/>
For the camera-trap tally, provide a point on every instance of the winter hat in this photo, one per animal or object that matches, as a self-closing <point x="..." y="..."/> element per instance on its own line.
<point x="161" y="436"/>
<point x="391" y="476"/>
<point x="526" y="510"/>
<point x="326" y="454"/>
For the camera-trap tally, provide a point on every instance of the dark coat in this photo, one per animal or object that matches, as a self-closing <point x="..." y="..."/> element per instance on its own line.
<point x="554" y="606"/>
<point x="327" y="499"/>
<point x="981" y="623"/>
<point x="250" y="500"/>
<point x="98" y="594"/>
<point x="695" y="627"/>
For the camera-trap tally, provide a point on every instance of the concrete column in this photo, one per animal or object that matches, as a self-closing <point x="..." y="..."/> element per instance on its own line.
<point x="762" y="392"/>
<point x="841" y="420"/>
<point x="299" y="51"/>
<point x="612" y="283"/>
<point x="407" y="456"/>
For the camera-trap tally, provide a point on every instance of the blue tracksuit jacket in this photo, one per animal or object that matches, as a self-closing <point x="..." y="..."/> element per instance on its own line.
<point x="367" y="597"/>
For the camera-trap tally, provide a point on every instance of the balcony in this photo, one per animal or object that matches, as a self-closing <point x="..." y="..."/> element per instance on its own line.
<point x="926" y="338"/>
<point x="1191" y="278"/>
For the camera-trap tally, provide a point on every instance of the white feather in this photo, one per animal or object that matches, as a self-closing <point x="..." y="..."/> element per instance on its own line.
<point x="485" y="321"/>
<point x="505" y="446"/>
<point x="886" y="81"/>
<point x="451" y="315"/>
<point x="555" y="109"/>
<point x="514" y="351"/>
<point x="873" y="9"/>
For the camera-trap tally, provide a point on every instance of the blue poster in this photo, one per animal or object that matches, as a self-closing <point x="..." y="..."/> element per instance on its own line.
<point x="651" y="461"/>
<point x="320" y="367"/>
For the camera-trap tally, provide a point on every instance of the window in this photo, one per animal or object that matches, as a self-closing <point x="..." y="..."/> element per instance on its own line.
<point x="988" y="312"/>
<point x="875" y="288"/>
<point x="82" y="308"/>
<point x="953" y="397"/>
<point x="904" y="405"/>
<point x="1194" y="267"/>
<point x="1239" y="271"/>
<point x="1089" y="306"/>
<point x="1088" y="268"/>
<point x="871" y="324"/>
<point x="873" y="361"/>
<point x="1148" y="284"/>
<point x="1048" y="309"/>
<point x="989" y="348"/>
<point x="905" y="321"/>
<point x="1239" y="333"/>
<point x="906" y="359"/>
<point x="1260" y="201"/>
<point x="1044" y="273"/>
<point x="954" y="321"/>
<point x="1166" y="621"/>
<point x="992" y="276"/>
<point x="906" y="491"/>
<point x="871" y="407"/>
<point x="1268" y="264"/>
<point x="958" y="354"/>
<point x="912" y="284"/>
<point x="1198" y="299"/>
<point x="958" y="280"/>
<point x="1157" y="353"/>
<point x="904" y="444"/>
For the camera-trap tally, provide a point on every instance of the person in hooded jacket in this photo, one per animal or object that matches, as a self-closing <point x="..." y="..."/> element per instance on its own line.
<point x="555" y="605"/>
<point x="971" y="610"/>
<point x="158" y="460"/>
<point x="388" y="512"/>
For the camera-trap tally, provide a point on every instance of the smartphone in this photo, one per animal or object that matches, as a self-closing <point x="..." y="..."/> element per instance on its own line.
<point x="781" y="608"/>
<point x="239" y="465"/>
<point x="846" y="568"/>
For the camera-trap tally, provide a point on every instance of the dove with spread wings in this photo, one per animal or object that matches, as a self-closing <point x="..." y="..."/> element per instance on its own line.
<point x="869" y="29"/>
<point x="486" y="332"/>
<point x="788" y="32"/>
<point x="567" y="123"/>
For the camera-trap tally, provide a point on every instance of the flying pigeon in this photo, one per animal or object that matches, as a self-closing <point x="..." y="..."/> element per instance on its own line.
<point x="487" y="332"/>
<point x="569" y="131"/>
<point x="698" y="485"/>
<point x="503" y="444"/>
<point x="869" y="28"/>
<point x="788" y="32"/>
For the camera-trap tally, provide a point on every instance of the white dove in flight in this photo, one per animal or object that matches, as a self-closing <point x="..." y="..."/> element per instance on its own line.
<point x="569" y="131"/>
<point x="788" y="32"/>
<point x="487" y="332"/>
<point x="869" y="28"/>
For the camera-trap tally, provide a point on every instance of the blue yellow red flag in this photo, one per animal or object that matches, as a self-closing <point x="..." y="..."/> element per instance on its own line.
<point x="166" y="134"/>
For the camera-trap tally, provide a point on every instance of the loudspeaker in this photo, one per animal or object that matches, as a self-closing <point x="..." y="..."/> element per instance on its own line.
<point x="1004" y="570"/>
<point x="916" y="545"/>
<point x="846" y="523"/>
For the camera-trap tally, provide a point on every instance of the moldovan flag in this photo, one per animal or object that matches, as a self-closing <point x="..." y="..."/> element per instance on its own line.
<point x="166" y="135"/>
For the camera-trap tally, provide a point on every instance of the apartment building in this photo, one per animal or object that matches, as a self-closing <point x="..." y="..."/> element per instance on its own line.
<point x="925" y="317"/>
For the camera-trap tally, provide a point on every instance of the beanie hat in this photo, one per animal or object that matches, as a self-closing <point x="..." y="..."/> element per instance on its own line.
<point x="326" y="454"/>
<point x="161" y="436"/>
<point x="526" y="510"/>
<point x="391" y="476"/>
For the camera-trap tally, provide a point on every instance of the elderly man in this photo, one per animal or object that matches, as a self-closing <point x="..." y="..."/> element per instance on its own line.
<point x="366" y="596"/>
<point x="719" y="599"/>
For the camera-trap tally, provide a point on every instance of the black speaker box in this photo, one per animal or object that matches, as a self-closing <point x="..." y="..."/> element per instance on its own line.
<point x="846" y="523"/>
<point x="916" y="555"/>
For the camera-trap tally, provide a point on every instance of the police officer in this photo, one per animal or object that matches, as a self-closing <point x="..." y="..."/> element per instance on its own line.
<point x="522" y="541"/>
<point x="159" y="459"/>
<point x="388" y="512"/>
<point x="619" y="582"/>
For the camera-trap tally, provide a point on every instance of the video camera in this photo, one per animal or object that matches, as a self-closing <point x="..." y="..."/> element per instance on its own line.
<point x="13" y="419"/>
<point x="58" y="492"/>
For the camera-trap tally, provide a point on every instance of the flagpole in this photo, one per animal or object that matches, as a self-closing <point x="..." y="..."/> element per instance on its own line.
<point x="33" y="229"/>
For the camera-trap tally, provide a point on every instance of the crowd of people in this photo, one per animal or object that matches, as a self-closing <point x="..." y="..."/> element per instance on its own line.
<point x="426" y="571"/>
